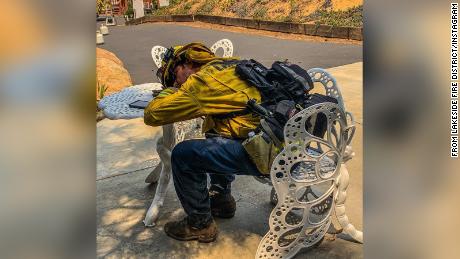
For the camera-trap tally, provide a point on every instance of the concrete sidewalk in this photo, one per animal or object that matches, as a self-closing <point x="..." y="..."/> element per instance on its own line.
<point x="123" y="198"/>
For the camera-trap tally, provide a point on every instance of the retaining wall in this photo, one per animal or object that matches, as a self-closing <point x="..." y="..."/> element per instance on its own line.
<point x="352" y="33"/>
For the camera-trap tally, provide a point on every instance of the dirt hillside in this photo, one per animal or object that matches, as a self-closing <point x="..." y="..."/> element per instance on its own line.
<point x="332" y="12"/>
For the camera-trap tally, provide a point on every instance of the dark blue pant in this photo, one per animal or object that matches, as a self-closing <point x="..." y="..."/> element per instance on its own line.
<point x="192" y="160"/>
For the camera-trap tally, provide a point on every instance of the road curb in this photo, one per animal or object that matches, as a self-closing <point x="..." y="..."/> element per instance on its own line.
<point x="352" y="33"/>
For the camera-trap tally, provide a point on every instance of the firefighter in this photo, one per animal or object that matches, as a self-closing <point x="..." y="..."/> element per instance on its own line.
<point x="199" y="84"/>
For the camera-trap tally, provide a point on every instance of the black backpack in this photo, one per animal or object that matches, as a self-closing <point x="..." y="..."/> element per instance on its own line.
<point x="284" y="89"/>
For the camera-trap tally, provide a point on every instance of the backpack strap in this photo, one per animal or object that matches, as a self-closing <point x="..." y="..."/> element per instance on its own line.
<point x="230" y="115"/>
<point x="294" y="72"/>
<point x="266" y="128"/>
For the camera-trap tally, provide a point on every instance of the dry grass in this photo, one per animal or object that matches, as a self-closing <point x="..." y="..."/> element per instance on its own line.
<point x="332" y="12"/>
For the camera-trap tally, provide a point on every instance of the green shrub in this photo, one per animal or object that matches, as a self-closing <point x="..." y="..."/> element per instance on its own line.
<point x="207" y="7"/>
<point x="229" y="6"/>
<point x="288" y="18"/>
<point x="130" y="11"/>
<point x="260" y="13"/>
<point x="242" y="10"/>
<point x="352" y="17"/>
<point x="183" y="9"/>
<point x="187" y="6"/>
<point x="102" y="6"/>
<point x="101" y="89"/>
<point x="155" y="5"/>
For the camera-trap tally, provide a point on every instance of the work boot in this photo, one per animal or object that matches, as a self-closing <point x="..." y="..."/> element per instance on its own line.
<point x="183" y="231"/>
<point x="222" y="205"/>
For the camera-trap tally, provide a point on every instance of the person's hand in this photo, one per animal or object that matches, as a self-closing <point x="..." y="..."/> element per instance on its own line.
<point x="155" y="93"/>
<point x="167" y="91"/>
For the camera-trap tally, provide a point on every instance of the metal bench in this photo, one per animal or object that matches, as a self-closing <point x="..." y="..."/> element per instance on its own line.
<point x="309" y="177"/>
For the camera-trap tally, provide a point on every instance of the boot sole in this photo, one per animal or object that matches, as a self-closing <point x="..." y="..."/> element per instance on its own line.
<point x="200" y="239"/>
<point x="223" y="215"/>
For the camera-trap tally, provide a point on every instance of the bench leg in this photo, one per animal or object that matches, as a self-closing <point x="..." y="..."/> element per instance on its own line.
<point x="348" y="228"/>
<point x="172" y="134"/>
<point x="305" y="235"/>
<point x="164" y="148"/>
<point x="154" y="176"/>
<point x="290" y="229"/>
<point x="297" y="222"/>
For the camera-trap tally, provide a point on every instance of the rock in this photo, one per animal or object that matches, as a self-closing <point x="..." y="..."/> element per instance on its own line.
<point x="110" y="72"/>
<point x="100" y="116"/>
<point x="102" y="53"/>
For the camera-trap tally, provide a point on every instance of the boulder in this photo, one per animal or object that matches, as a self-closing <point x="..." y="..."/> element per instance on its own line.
<point x="111" y="72"/>
<point x="102" y="53"/>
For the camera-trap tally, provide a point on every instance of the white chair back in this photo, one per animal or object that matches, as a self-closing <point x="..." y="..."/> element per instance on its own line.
<point x="157" y="54"/>
<point x="159" y="51"/>
<point x="226" y="45"/>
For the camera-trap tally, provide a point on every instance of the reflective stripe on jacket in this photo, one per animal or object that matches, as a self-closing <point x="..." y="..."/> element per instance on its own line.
<point x="214" y="89"/>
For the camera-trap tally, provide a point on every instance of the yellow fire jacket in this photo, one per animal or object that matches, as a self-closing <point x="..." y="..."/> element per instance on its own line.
<point x="214" y="89"/>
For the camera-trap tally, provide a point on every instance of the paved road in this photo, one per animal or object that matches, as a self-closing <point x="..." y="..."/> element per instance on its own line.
<point x="132" y="44"/>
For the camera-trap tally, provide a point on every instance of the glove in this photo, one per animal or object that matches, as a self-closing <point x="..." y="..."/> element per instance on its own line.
<point x="165" y="92"/>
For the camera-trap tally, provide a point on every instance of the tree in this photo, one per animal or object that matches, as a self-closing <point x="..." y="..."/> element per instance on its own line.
<point x="102" y="5"/>
<point x="130" y="11"/>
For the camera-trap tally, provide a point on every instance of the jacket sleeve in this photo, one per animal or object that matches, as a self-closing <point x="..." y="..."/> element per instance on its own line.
<point x="166" y="109"/>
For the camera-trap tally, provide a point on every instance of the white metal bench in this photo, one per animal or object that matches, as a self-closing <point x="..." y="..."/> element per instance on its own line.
<point x="310" y="178"/>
